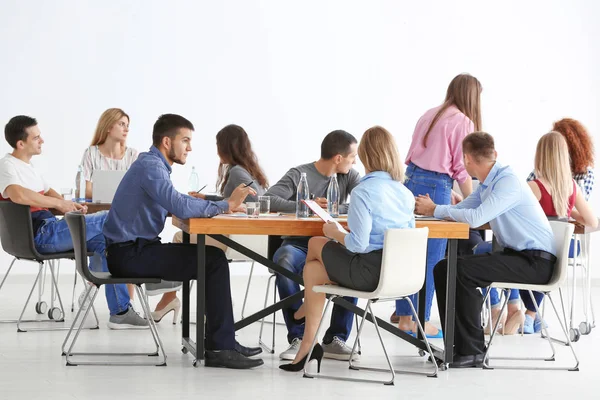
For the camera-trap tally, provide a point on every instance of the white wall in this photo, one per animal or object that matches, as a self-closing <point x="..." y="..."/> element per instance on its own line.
<point x="291" y="72"/>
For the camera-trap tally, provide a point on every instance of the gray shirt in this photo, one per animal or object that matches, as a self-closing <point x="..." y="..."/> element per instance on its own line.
<point x="237" y="176"/>
<point x="283" y="193"/>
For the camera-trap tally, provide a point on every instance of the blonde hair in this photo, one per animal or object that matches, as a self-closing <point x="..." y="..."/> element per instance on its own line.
<point x="105" y="123"/>
<point x="378" y="152"/>
<point x="553" y="165"/>
<point x="464" y="93"/>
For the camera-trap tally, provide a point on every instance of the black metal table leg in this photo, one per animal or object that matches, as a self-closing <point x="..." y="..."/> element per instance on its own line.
<point x="450" y="301"/>
<point x="200" y="298"/>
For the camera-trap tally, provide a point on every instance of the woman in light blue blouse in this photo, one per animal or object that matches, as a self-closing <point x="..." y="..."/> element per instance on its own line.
<point x="353" y="260"/>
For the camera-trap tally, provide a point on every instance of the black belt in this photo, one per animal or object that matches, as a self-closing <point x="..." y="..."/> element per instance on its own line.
<point x="534" y="253"/>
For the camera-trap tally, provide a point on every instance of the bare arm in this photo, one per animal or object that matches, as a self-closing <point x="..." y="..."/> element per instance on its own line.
<point x="466" y="188"/>
<point x="582" y="212"/>
<point x="88" y="189"/>
<point x="20" y="195"/>
<point x="53" y="193"/>
<point x="535" y="189"/>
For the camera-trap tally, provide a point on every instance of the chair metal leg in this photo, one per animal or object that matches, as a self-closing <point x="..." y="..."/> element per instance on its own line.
<point x="2" y="284"/>
<point x="262" y="321"/>
<point x="547" y="336"/>
<point x="74" y="290"/>
<point x="70" y="353"/>
<point x="353" y="366"/>
<point x="247" y="289"/>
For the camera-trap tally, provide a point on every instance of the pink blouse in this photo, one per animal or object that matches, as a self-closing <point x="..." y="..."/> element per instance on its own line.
<point x="444" y="143"/>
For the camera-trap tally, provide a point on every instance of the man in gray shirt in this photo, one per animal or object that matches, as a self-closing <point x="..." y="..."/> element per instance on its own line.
<point x="338" y="154"/>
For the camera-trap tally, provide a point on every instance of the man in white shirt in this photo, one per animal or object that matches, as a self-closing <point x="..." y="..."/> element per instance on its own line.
<point x="21" y="183"/>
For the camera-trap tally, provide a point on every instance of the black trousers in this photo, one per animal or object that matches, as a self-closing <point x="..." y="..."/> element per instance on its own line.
<point x="476" y="271"/>
<point x="179" y="262"/>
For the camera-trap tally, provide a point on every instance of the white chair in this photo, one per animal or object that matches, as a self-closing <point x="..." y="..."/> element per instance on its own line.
<point x="562" y="239"/>
<point x="402" y="274"/>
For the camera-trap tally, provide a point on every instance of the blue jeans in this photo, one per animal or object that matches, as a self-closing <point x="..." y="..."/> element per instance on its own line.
<point x="292" y="256"/>
<point x="486" y="247"/>
<point x="439" y="187"/>
<point x="54" y="237"/>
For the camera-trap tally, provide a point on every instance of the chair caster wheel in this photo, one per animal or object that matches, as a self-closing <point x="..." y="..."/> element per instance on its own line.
<point x="195" y="363"/>
<point x="55" y="314"/>
<point x="184" y="350"/>
<point x="574" y="334"/>
<point x="422" y="353"/>
<point x="41" y="307"/>
<point x="585" y="328"/>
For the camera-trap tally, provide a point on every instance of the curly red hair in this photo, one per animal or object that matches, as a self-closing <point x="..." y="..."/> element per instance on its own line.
<point x="579" y="141"/>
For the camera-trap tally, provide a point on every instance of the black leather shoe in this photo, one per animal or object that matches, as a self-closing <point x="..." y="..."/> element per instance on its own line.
<point x="472" y="361"/>
<point x="229" y="359"/>
<point x="247" y="351"/>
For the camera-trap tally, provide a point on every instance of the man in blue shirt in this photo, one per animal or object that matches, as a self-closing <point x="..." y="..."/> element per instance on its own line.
<point x="520" y="227"/>
<point x="137" y="216"/>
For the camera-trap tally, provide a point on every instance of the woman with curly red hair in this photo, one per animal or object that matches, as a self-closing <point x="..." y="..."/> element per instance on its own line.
<point x="581" y="153"/>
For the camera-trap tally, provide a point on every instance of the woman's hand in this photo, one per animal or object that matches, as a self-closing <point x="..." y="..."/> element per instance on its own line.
<point x="329" y="229"/>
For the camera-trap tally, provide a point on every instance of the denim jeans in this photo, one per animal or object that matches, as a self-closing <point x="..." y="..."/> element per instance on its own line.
<point x="292" y="256"/>
<point x="54" y="237"/>
<point x="486" y="247"/>
<point x="439" y="187"/>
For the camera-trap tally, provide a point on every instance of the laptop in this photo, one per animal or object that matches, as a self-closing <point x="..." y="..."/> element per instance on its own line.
<point x="105" y="184"/>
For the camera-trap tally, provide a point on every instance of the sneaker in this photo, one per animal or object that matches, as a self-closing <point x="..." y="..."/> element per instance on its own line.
<point x="339" y="350"/>
<point x="129" y="320"/>
<point x="291" y="351"/>
<point x="528" y="325"/>
<point x="163" y="287"/>
<point x="84" y="305"/>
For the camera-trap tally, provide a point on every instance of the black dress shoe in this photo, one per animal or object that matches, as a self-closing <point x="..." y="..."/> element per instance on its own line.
<point x="229" y="359"/>
<point x="472" y="361"/>
<point x="247" y="351"/>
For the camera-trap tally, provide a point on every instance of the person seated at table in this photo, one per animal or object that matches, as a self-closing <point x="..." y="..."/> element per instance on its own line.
<point x="338" y="155"/>
<point x="560" y="196"/>
<point x="238" y="164"/>
<point x="353" y="260"/>
<point x="21" y="183"/>
<point x="137" y="216"/>
<point x="520" y="227"/>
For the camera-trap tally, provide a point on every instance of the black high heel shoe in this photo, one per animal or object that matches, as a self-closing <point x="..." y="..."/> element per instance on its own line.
<point x="317" y="354"/>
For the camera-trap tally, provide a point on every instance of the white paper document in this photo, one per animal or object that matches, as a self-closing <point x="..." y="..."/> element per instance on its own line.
<point x="319" y="212"/>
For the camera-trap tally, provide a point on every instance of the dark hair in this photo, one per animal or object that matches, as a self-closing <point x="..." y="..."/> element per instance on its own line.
<point x="579" y="141"/>
<point x="234" y="146"/>
<point x="167" y="125"/>
<point x="15" y="129"/>
<point x="337" y="142"/>
<point x="479" y="145"/>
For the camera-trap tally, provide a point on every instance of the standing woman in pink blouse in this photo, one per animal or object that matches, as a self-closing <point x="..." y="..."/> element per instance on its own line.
<point x="435" y="161"/>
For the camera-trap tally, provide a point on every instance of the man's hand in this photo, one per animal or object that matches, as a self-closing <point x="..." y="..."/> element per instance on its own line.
<point x="456" y="198"/>
<point x="197" y="195"/>
<point x="238" y="196"/>
<point x="322" y="202"/>
<point x="65" y="206"/>
<point x="424" y="206"/>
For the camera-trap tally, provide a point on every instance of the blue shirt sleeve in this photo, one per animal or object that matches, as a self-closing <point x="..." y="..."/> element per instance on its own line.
<point x="360" y="222"/>
<point x="157" y="184"/>
<point x="504" y="195"/>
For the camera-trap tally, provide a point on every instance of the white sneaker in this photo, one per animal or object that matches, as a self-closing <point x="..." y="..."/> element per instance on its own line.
<point x="291" y="351"/>
<point x="84" y="305"/>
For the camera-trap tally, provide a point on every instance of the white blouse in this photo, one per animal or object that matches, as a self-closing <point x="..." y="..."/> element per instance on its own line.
<point x="93" y="160"/>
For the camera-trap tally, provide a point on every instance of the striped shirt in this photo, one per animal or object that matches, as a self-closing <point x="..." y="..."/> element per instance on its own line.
<point x="94" y="160"/>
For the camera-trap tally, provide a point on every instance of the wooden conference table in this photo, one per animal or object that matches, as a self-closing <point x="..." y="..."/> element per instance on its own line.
<point x="288" y="225"/>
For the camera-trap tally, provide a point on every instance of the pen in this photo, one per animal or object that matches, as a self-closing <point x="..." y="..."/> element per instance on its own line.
<point x="251" y="182"/>
<point x="201" y="188"/>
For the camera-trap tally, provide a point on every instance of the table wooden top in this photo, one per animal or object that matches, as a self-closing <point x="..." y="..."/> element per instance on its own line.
<point x="289" y="225"/>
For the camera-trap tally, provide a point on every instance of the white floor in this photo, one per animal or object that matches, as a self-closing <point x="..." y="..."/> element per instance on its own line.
<point x="31" y="366"/>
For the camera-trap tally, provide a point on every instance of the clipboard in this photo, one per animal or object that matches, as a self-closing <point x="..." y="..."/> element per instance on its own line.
<point x="319" y="212"/>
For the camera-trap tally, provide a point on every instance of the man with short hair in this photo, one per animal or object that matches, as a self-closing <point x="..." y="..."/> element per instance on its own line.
<point x="21" y="183"/>
<point x="137" y="216"/>
<point x="520" y="227"/>
<point x="338" y="155"/>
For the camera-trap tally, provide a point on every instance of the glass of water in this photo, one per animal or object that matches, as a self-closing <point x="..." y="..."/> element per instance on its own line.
<point x="253" y="209"/>
<point x="265" y="204"/>
<point x="67" y="193"/>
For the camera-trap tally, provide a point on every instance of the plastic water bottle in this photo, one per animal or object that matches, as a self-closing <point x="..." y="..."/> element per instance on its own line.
<point x="333" y="197"/>
<point x="80" y="185"/>
<point x="194" y="181"/>
<point x="302" y="194"/>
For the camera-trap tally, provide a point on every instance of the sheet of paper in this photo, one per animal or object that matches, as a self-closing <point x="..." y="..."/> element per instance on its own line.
<point x="319" y="212"/>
